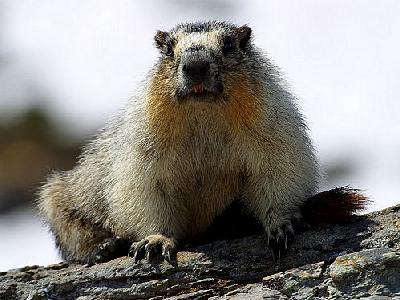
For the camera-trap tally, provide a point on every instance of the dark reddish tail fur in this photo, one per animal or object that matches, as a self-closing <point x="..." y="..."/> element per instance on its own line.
<point x="334" y="206"/>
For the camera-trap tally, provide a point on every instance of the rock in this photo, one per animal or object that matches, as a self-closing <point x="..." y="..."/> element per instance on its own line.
<point x="358" y="260"/>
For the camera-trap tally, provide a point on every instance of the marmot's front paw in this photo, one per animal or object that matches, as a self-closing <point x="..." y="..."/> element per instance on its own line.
<point x="279" y="239"/>
<point x="154" y="247"/>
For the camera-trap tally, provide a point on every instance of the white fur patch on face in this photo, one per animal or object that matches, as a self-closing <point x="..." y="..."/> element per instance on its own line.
<point x="210" y="40"/>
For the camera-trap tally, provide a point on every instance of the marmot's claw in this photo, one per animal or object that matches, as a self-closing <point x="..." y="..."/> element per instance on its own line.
<point x="169" y="252"/>
<point x="278" y="241"/>
<point x="154" y="247"/>
<point x="137" y="250"/>
<point x="276" y="248"/>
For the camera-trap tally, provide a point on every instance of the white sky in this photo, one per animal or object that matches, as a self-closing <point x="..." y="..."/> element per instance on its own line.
<point x="341" y="59"/>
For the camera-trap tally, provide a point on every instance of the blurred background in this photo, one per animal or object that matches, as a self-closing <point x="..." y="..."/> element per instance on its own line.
<point x="67" y="66"/>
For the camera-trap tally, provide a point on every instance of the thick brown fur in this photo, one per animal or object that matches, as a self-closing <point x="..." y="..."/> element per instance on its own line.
<point x="182" y="152"/>
<point x="334" y="206"/>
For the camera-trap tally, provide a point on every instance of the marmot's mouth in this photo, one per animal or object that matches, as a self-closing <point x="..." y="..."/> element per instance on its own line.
<point x="198" y="88"/>
<point x="200" y="91"/>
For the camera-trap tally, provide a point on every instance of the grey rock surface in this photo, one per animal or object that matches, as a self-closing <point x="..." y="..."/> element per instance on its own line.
<point x="357" y="260"/>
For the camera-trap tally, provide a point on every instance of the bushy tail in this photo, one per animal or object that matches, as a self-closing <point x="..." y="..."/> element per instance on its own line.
<point x="334" y="206"/>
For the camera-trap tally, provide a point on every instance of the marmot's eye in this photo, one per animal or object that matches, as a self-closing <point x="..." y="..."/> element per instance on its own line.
<point x="228" y="45"/>
<point x="168" y="50"/>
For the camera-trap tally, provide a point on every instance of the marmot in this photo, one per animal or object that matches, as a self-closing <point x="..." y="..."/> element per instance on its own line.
<point x="214" y="122"/>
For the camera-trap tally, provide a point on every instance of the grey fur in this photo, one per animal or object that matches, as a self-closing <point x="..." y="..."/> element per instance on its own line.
<point x="133" y="182"/>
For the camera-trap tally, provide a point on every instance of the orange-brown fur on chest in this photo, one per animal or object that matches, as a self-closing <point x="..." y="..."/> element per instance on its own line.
<point x="201" y="166"/>
<point x="238" y="109"/>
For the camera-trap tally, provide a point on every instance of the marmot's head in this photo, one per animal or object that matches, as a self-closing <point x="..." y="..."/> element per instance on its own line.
<point x="198" y="58"/>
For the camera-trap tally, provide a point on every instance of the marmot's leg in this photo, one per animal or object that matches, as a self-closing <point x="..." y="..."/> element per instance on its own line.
<point x="277" y="206"/>
<point x="77" y="238"/>
<point x="84" y="243"/>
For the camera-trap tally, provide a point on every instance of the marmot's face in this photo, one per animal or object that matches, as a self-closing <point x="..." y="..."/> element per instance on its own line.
<point x="198" y="57"/>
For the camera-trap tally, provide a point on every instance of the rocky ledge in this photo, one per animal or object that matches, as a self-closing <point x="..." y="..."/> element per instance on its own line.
<point x="357" y="260"/>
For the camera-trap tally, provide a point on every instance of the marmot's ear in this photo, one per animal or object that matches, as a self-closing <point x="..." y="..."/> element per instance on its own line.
<point x="243" y="34"/>
<point x="161" y="38"/>
<point x="163" y="42"/>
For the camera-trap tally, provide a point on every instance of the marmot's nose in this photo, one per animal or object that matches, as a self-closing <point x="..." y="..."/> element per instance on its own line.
<point x="197" y="70"/>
